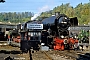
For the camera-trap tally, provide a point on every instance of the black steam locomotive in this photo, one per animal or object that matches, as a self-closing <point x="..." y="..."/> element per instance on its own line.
<point x="57" y="26"/>
<point x="36" y="32"/>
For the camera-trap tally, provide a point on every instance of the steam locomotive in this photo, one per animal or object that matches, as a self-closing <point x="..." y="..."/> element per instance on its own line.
<point x="57" y="27"/>
<point x="52" y="32"/>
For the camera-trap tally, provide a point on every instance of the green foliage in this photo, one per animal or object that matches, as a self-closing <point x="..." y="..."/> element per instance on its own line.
<point x="84" y="33"/>
<point x="83" y="36"/>
<point x="15" y="17"/>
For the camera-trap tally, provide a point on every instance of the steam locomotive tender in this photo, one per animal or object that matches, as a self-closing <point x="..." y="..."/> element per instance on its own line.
<point x="30" y="35"/>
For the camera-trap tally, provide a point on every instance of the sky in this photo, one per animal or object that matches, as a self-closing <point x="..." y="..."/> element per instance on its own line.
<point x="36" y="6"/>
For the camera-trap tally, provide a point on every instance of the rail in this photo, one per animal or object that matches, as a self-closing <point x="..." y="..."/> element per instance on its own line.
<point x="47" y="55"/>
<point x="3" y="43"/>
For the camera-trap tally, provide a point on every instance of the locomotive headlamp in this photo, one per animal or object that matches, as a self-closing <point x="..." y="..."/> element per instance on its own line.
<point x="64" y="22"/>
<point x="75" y="36"/>
<point x="31" y="33"/>
<point x="42" y="43"/>
<point x="65" y="17"/>
<point x="62" y="36"/>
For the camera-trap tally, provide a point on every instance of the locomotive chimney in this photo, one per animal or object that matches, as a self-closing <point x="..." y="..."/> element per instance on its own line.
<point x="57" y="14"/>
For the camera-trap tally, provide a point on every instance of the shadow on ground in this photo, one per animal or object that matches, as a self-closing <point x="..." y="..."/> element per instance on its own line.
<point x="84" y="57"/>
<point x="10" y="52"/>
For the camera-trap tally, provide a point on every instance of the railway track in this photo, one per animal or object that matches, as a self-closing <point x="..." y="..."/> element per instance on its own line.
<point x="59" y="55"/>
<point x="3" y="43"/>
<point x="54" y="55"/>
<point x="66" y="55"/>
<point x="48" y="56"/>
<point x="13" y="52"/>
<point x="41" y="55"/>
<point x="9" y="48"/>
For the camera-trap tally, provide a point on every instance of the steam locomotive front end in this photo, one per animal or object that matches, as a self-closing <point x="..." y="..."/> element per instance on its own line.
<point x="63" y="23"/>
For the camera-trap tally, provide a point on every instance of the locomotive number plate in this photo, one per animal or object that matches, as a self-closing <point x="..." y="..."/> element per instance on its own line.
<point x="34" y="26"/>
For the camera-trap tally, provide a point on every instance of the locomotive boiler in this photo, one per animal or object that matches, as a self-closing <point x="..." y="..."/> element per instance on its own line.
<point x="59" y="24"/>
